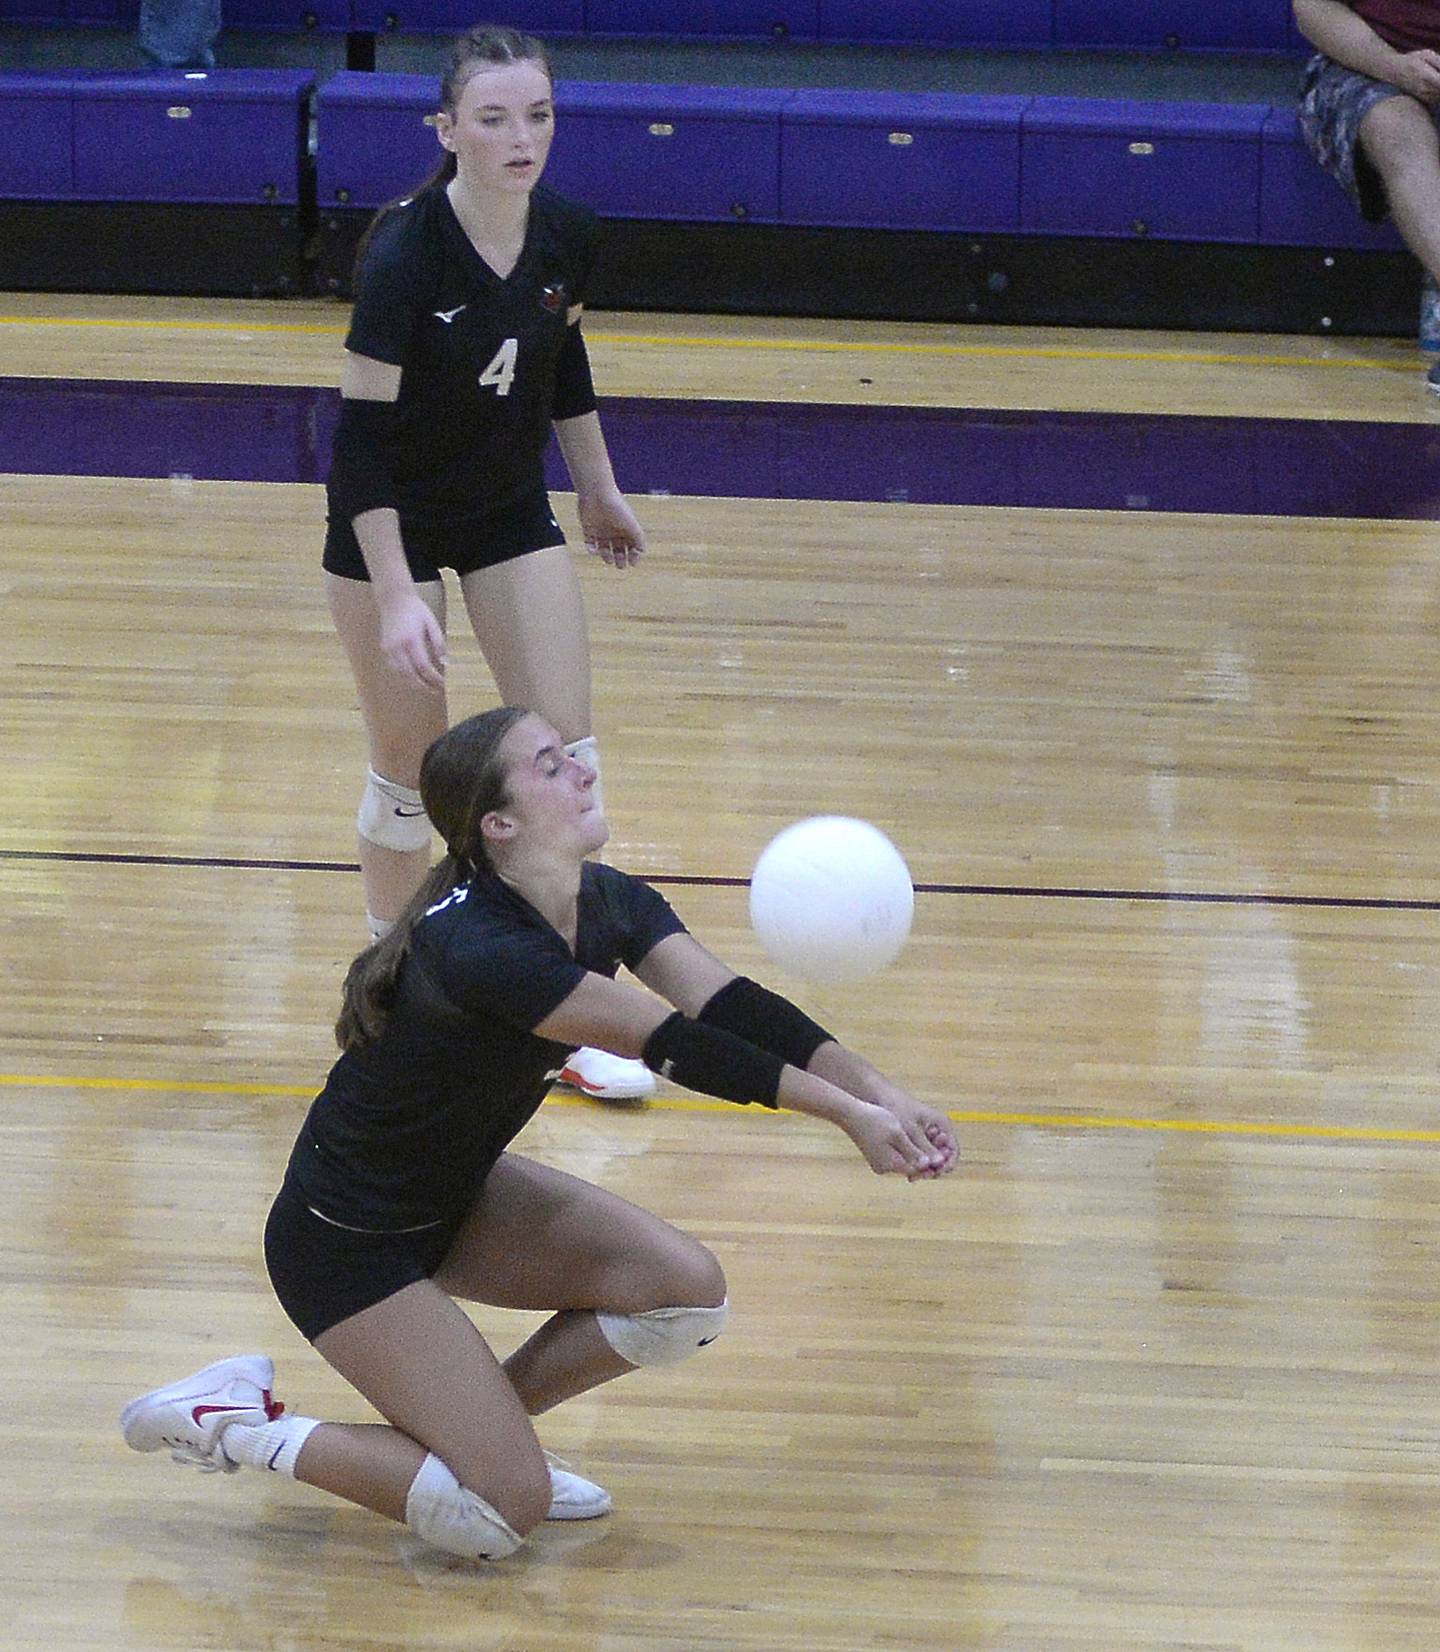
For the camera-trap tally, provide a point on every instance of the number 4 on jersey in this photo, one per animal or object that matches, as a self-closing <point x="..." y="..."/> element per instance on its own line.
<point x="501" y="371"/>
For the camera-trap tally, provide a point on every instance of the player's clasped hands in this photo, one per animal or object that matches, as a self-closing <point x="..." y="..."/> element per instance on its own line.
<point x="612" y="530"/>
<point x="412" y="640"/>
<point x="904" y="1137"/>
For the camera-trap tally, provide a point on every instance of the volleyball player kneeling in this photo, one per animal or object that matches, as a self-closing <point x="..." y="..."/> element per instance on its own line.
<point x="401" y="1193"/>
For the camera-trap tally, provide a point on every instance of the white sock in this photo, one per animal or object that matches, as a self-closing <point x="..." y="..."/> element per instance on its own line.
<point x="379" y="927"/>
<point x="268" y="1445"/>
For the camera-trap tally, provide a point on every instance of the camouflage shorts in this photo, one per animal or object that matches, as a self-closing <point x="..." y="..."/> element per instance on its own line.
<point x="1333" y="102"/>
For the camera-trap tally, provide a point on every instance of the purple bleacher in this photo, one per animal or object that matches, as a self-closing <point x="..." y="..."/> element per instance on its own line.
<point x="939" y="22"/>
<point x="973" y="164"/>
<point x="898" y="160"/>
<point x="376" y="140"/>
<point x="453" y="16"/>
<point x="687" y="153"/>
<point x="222" y="136"/>
<point x="295" y="16"/>
<point x="799" y="19"/>
<point x="37" y="133"/>
<point x="1174" y="171"/>
<point x="1148" y="25"/>
<point x="1300" y="205"/>
<point x="69" y="12"/>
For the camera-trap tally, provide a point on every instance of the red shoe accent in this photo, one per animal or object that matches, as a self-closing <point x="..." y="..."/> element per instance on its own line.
<point x="273" y="1408"/>
<point x="207" y="1410"/>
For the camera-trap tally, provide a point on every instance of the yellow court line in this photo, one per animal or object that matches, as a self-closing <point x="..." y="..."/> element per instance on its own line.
<point x="1046" y="352"/>
<point x="1206" y="1127"/>
<point x="1196" y="358"/>
<point x="169" y="326"/>
<point x="1042" y="1121"/>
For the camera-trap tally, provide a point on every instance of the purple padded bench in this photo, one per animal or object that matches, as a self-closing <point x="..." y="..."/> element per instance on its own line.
<point x="1173" y="171"/>
<point x="292" y="16"/>
<point x="704" y="19"/>
<point x="629" y="151"/>
<point x="686" y="153"/>
<point x="939" y="22"/>
<point x="218" y="136"/>
<point x="376" y="137"/>
<point x="1148" y="25"/>
<point x="37" y="134"/>
<point x="453" y="16"/>
<point x="901" y="160"/>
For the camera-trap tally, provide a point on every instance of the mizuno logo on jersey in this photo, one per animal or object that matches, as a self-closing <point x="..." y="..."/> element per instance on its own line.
<point x="447" y="316"/>
<point x="553" y="297"/>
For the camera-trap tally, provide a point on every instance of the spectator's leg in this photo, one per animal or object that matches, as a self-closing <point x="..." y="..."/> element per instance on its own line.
<point x="180" y="34"/>
<point x="1400" y="141"/>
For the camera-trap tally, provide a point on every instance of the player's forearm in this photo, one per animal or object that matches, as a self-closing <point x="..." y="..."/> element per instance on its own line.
<point x="1331" y="27"/>
<point x="843" y="1068"/>
<point x="582" y="442"/>
<point x="803" y="1092"/>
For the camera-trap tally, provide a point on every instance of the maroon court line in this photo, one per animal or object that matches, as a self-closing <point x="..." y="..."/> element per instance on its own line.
<point x="1193" y="897"/>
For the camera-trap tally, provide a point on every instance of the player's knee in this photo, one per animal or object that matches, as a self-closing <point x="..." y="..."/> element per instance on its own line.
<point x="676" y="1268"/>
<point x="695" y="1275"/>
<point x="663" y="1336"/>
<point x="522" y="1494"/>
<point x="461" y="1522"/>
<point x="392" y="815"/>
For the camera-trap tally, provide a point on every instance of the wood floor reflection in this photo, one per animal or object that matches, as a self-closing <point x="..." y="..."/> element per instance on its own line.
<point x="1156" y="1370"/>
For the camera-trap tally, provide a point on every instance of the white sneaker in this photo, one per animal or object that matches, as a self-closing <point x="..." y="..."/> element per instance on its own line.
<point x="190" y="1416"/>
<point x="607" y="1077"/>
<point x="572" y="1497"/>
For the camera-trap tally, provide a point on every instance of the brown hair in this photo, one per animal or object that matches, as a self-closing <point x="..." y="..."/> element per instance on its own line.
<point x="462" y="778"/>
<point x="483" y="46"/>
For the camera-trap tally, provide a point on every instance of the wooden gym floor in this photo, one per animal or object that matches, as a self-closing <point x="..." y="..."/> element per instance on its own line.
<point x="1157" y="1369"/>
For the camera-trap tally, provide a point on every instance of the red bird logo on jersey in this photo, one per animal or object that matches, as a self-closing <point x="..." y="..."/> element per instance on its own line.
<point x="553" y="298"/>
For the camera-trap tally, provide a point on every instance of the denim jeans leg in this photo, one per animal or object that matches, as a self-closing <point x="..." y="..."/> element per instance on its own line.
<point x="180" y="34"/>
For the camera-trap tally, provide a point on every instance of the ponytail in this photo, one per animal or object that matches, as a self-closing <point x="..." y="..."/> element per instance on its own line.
<point x="462" y="778"/>
<point x="444" y="171"/>
<point x="370" y="982"/>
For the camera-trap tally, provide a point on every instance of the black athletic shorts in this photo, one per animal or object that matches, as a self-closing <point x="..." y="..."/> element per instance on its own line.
<point x="463" y="543"/>
<point x="323" y="1274"/>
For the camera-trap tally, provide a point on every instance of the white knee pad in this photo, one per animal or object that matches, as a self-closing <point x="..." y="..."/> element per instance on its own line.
<point x="587" y="751"/>
<point x="392" y="815"/>
<point x="664" y="1336"/>
<point x="439" y="1509"/>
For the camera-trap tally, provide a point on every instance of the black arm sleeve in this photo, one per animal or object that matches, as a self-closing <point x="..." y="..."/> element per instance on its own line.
<point x="713" y="1062"/>
<point x="362" y="469"/>
<point x="762" y="1017"/>
<point x="574" y="387"/>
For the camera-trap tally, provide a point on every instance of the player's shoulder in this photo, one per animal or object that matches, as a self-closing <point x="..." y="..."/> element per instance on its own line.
<point x="604" y="879"/>
<point x="408" y="235"/>
<point x="482" y="905"/>
<point x="567" y="221"/>
<point x="627" y="898"/>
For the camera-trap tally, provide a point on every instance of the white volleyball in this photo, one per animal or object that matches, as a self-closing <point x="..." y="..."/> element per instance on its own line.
<point x="831" y="899"/>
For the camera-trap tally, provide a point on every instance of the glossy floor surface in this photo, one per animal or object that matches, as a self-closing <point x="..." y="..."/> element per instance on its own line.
<point x="1157" y="1368"/>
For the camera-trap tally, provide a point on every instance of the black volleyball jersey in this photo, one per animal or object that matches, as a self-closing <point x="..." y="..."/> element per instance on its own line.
<point x="477" y="354"/>
<point x="407" y="1126"/>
